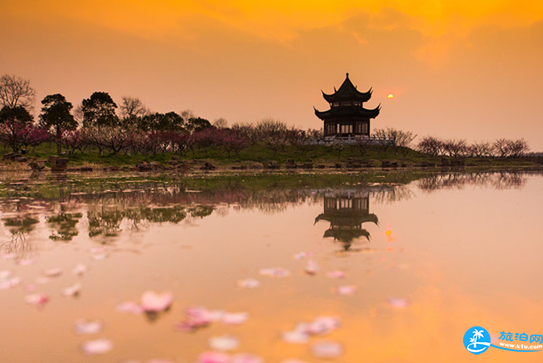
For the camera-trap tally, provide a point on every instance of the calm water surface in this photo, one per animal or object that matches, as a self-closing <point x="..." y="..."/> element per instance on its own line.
<point x="428" y="259"/>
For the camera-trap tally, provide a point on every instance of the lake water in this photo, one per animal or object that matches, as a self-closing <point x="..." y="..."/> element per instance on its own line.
<point x="424" y="260"/>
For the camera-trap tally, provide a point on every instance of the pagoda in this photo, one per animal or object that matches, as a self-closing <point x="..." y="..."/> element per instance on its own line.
<point x="347" y="211"/>
<point x="347" y="116"/>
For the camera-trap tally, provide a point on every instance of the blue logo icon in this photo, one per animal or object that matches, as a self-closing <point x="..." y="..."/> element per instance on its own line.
<point x="477" y="340"/>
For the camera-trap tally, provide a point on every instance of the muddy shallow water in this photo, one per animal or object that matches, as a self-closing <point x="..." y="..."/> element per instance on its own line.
<point x="423" y="261"/>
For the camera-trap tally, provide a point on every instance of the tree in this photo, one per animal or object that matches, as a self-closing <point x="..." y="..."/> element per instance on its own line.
<point x="132" y="107"/>
<point x="454" y="148"/>
<point x="132" y="111"/>
<point x="170" y="121"/>
<point x="56" y="116"/>
<point x="16" y="91"/>
<point x="17" y="130"/>
<point x="99" y="110"/>
<point x="197" y="124"/>
<point x="273" y="134"/>
<point x="220" y="123"/>
<point x="518" y="147"/>
<point x="430" y="145"/>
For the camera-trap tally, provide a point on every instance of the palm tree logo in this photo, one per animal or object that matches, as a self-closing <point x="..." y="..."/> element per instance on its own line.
<point x="476" y="335"/>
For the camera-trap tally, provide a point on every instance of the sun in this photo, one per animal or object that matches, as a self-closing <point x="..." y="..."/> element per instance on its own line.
<point x="390" y="95"/>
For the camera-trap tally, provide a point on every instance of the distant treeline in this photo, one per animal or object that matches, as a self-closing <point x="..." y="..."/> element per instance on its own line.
<point x="98" y="123"/>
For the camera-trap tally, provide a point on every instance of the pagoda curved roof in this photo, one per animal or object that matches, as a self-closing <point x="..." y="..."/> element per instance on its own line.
<point x="346" y="236"/>
<point x="351" y="219"/>
<point x="348" y="111"/>
<point x="347" y="92"/>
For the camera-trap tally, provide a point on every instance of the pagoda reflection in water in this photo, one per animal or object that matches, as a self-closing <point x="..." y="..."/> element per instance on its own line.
<point x="347" y="211"/>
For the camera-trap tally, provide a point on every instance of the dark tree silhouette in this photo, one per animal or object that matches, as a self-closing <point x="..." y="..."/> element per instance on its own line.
<point x="99" y="110"/>
<point x="56" y="117"/>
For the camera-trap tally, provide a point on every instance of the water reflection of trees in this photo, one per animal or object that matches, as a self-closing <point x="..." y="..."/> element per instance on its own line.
<point x="496" y="180"/>
<point x="19" y="227"/>
<point x="106" y="208"/>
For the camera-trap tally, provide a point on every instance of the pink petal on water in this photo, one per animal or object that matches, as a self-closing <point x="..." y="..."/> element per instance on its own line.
<point x="80" y="269"/>
<point x="10" y="282"/>
<point x="224" y="342"/>
<point x="213" y="357"/>
<point x="292" y="361"/>
<point x="346" y="289"/>
<point x="302" y="254"/>
<point x="82" y="327"/>
<point x="72" y="290"/>
<point x="37" y="299"/>
<point x="323" y="325"/>
<point x="246" y="358"/>
<point x="129" y="307"/>
<point x="295" y="337"/>
<point x="53" y="272"/>
<point x="8" y="256"/>
<point x="275" y="272"/>
<point x="235" y="318"/>
<point x="311" y="267"/>
<point x="98" y="346"/>
<point x="338" y="274"/>
<point x="42" y="280"/>
<point x="198" y="317"/>
<point x="26" y="262"/>
<point x="249" y="283"/>
<point x="327" y="350"/>
<point x="5" y="274"/>
<point x="98" y="253"/>
<point x="398" y="303"/>
<point x="155" y="302"/>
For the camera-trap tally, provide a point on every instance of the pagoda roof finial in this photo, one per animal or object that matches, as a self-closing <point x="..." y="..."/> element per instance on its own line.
<point x="347" y="92"/>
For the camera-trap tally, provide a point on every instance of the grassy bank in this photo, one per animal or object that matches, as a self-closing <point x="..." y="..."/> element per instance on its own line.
<point x="255" y="156"/>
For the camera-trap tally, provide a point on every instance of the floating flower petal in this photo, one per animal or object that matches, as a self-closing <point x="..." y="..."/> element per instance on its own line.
<point x="398" y="303"/>
<point x="275" y="272"/>
<point x="54" y="272"/>
<point x="311" y="267"/>
<point x="80" y="269"/>
<point x="72" y="290"/>
<point x="323" y="325"/>
<point x="98" y="346"/>
<point x="346" y="289"/>
<point x="246" y="358"/>
<point x="153" y="302"/>
<point x="198" y="317"/>
<point x="224" y="342"/>
<point x="214" y="357"/>
<point x="295" y="337"/>
<point x="302" y="254"/>
<point x="26" y="262"/>
<point x="37" y="299"/>
<point x="129" y="307"/>
<point x="10" y="282"/>
<point x="338" y="274"/>
<point x="249" y="283"/>
<point x="5" y="274"/>
<point x="327" y="350"/>
<point x="82" y="327"/>
<point x="235" y="318"/>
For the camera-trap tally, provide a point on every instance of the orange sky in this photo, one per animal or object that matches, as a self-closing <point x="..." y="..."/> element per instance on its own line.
<point x="458" y="69"/>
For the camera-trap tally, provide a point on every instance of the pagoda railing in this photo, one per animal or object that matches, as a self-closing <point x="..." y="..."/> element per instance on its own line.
<point x="353" y="140"/>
